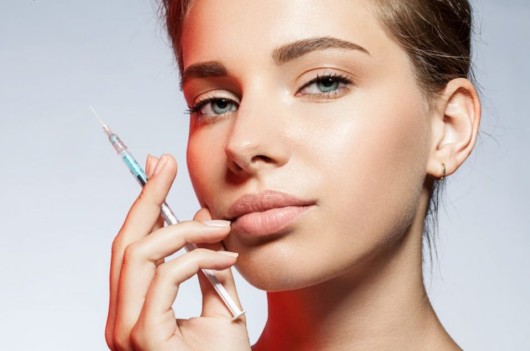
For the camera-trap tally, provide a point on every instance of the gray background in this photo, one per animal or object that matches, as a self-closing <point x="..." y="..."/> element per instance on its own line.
<point x="64" y="193"/>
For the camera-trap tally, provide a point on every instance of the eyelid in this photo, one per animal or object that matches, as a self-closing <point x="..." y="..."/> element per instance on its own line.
<point x="201" y="102"/>
<point x="340" y="77"/>
<point x="212" y="95"/>
<point x="346" y="79"/>
<point x="215" y="94"/>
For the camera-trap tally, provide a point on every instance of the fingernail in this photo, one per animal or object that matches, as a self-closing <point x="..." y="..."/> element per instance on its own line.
<point x="229" y="253"/>
<point x="160" y="165"/>
<point x="219" y="223"/>
<point x="148" y="169"/>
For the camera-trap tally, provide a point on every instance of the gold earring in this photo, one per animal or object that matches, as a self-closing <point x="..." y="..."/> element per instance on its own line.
<point x="443" y="172"/>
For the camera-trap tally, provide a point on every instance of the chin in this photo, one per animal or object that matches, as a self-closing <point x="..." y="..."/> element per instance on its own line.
<point x="273" y="269"/>
<point x="273" y="281"/>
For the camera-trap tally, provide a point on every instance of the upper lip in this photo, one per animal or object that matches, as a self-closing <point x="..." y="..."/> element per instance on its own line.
<point x="264" y="201"/>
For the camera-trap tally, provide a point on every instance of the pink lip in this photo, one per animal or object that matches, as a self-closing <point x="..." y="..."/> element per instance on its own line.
<point x="267" y="213"/>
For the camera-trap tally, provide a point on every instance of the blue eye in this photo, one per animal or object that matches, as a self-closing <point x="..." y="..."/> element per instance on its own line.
<point x="213" y="107"/>
<point x="221" y="106"/>
<point x="326" y="86"/>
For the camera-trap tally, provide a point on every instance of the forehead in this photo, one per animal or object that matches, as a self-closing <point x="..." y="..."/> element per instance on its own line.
<point x="236" y="29"/>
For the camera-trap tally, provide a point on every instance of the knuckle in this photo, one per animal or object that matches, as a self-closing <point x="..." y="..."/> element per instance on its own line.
<point x="200" y="254"/>
<point x="163" y="271"/>
<point x="197" y="257"/>
<point x="117" y="245"/>
<point x="132" y="252"/>
<point x="121" y="342"/>
<point x="108" y="339"/>
<point x="151" y="194"/>
<point x="192" y="261"/>
<point x="137" y="338"/>
<point x="144" y="194"/>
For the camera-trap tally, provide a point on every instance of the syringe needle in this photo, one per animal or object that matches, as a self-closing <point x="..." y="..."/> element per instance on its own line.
<point x="105" y="127"/>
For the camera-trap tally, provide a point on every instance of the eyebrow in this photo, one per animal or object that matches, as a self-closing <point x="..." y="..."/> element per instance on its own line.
<point x="281" y="55"/>
<point x="291" y="51"/>
<point x="203" y="70"/>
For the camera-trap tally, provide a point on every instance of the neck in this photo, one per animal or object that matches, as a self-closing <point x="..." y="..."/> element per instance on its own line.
<point x="384" y="309"/>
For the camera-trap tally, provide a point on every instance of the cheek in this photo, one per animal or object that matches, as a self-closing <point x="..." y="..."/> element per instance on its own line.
<point x="368" y="137"/>
<point x="397" y="141"/>
<point x="205" y="157"/>
<point x="373" y="163"/>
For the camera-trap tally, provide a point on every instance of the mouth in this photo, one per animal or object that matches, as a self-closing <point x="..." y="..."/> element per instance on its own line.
<point x="267" y="213"/>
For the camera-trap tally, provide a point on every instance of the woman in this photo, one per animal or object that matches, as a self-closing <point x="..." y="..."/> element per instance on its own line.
<point x="319" y="133"/>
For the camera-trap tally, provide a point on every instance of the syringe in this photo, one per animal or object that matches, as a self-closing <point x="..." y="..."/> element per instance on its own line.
<point x="168" y="215"/>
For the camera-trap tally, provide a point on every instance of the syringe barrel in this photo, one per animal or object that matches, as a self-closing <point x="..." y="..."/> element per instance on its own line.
<point x="134" y="167"/>
<point x="117" y="143"/>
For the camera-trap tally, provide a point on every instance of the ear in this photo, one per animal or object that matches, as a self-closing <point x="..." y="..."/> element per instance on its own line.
<point x="454" y="127"/>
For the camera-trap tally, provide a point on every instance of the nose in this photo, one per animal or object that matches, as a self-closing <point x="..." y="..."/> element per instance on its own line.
<point x="257" y="141"/>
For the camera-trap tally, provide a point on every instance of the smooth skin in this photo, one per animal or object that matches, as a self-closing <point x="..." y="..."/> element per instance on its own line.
<point x="346" y="127"/>
<point x="143" y="287"/>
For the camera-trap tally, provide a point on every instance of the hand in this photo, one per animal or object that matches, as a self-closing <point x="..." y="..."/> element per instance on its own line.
<point x="143" y="287"/>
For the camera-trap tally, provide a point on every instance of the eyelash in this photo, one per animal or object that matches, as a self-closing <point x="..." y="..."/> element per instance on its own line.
<point x="196" y="108"/>
<point x="341" y="79"/>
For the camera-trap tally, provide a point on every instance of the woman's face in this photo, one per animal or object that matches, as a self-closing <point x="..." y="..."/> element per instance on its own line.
<point x="311" y="107"/>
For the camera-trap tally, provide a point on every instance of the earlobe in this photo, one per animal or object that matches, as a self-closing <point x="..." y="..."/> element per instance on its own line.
<point x="454" y="127"/>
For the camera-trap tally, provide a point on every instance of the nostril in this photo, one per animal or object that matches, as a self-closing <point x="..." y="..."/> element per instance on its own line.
<point x="262" y="158"/>
<point x="242" y="165"/>
<point x="236" y="167"/>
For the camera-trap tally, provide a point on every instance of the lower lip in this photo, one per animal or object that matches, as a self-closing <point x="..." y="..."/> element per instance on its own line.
<point x="270" y="222"/>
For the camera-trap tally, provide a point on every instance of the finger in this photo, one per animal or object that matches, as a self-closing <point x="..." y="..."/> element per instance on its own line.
<point x="146" y="209"/>
<point x="157" y="319"/>
<point x="202" y="215"/>
<point x="140" y="220"/>
<point x="212" y="304"/>
<point x="158" y="225"/>
<point x="140" y="262"/>
<point x="150" y="165"/>
<point x="149" y="169"/>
